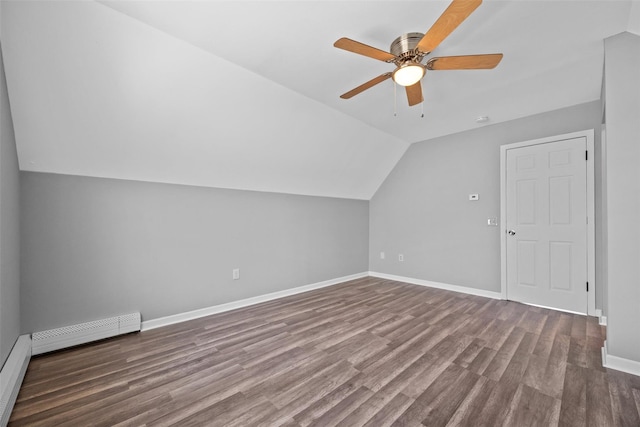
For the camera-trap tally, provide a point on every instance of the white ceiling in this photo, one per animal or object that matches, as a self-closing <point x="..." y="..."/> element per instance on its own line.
<point x="242" y="94"/>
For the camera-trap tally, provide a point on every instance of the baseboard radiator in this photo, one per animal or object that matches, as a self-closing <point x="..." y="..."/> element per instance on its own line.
<point x="11" y="376"/>
<point x="69" y="336"/>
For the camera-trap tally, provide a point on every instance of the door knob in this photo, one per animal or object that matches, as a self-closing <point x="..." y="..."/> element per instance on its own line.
<point x="511" y="232"/>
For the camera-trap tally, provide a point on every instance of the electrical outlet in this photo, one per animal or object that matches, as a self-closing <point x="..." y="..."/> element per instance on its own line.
<point x="400" y="257"/>
<point x="236" y="273"/>
<point x="381" y="255"/>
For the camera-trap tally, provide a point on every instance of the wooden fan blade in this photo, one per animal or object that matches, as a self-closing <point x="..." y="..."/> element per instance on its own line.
<point x="414" y="94"/>
<point x="466" y="62"/>
<point x="363" y="49"/>
<point x="365" y="86"/>
<point x="457" y="12"/>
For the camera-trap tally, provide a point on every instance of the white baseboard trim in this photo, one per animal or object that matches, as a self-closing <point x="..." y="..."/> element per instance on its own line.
<point x="602" y="320"/>
<point x="11" y="376"/>
<point x="438" y="285"/>
<point x="207" y="311"/>
<point x="619" y="363"/>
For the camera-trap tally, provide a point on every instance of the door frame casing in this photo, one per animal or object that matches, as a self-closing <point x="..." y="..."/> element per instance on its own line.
<point x="591" y="230"/>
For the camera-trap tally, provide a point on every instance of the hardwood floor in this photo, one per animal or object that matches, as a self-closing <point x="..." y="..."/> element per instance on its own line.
<point x="368" y="352"/>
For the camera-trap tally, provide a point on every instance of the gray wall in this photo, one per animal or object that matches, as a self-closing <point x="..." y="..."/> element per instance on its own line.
<point x="9" y="227"/>
<point x="94" y="248"/>
<point x="622" y="68"/>
<point x="422" y="209"/>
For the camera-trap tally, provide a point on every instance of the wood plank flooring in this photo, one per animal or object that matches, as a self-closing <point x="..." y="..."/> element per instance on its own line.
<point x="369" y="352"/>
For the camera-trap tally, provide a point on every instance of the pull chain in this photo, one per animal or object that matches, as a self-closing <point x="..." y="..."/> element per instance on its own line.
<point x="395" y="100"/>
<point x="422" y="107"/>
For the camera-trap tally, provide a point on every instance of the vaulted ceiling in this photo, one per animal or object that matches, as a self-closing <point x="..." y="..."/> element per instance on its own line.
<point x="239" y="94"/>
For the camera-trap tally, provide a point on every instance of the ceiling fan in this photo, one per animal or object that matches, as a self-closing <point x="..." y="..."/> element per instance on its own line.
<point x="408" y="51"/>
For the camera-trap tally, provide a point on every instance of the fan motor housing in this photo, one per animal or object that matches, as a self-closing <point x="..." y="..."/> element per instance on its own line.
<point x="404" y="44"/>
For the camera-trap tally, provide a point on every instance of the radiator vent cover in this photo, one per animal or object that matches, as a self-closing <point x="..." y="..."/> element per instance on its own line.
<point x="68" y="336"/>
<point x="11" y="376"/>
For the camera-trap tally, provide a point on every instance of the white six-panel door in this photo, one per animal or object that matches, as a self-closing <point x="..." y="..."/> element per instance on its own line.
<point x="546" y="224"/>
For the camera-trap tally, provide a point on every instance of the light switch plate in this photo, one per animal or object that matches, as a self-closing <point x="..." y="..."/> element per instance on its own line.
<point x="473" y="197"/>
<point x="493" y="221"/>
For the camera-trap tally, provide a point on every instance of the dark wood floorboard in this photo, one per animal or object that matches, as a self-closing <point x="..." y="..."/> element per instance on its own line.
<point x="369" y="352"/>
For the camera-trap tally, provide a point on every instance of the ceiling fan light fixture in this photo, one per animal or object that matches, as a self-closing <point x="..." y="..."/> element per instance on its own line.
<point x="408" y="73"/>
<point x="409" y="50"/>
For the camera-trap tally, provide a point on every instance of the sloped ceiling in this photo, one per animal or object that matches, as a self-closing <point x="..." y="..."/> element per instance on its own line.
<point x="239" y="94"/>
<point x="94" y="92"/>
